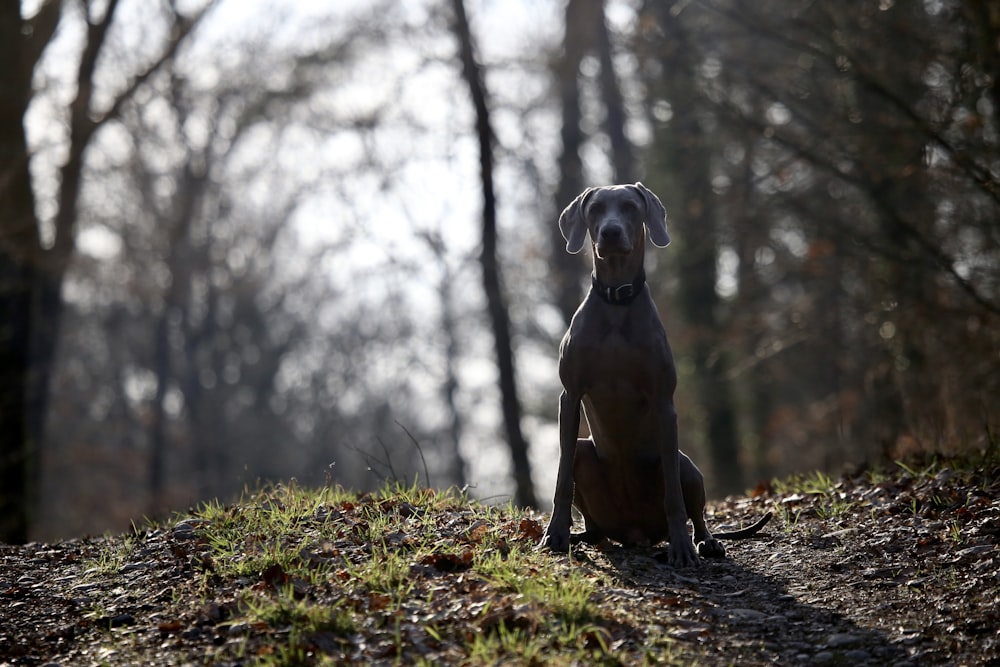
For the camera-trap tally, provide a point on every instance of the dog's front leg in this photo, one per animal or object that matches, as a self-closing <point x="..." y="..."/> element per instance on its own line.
<point x="681" y="552"/>
<point x="557" y="534"/>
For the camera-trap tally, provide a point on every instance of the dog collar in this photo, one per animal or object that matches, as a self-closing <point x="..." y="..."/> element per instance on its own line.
<point x="622" y="295"/>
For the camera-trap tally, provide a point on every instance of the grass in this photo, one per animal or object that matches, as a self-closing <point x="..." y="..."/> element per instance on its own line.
<point x="833" y="503"/>
<point x="812" y="483"/>
<point x="301" y="621"/>
<point x="919" y="471"/>
<point x="109" y="562"/>
<point x="787" y="517"/>
<point x="327" y="576"/>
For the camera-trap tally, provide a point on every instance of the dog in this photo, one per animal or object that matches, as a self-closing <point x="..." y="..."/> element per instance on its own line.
<point x="629" y="480"/>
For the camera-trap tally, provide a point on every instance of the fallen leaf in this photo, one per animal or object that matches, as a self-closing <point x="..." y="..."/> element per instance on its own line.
<point x="531" y="529"/>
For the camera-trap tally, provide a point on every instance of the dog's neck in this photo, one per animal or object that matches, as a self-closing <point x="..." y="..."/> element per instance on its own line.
<point x="619" y="295"/>
<point x="619" y="279"/>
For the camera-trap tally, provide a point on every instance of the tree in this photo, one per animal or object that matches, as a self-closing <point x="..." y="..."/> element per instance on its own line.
<point x="682" y="160"/>
<point x="218" y="350"/>
<point x="586" y="32"/>
<point x="886" y="115"/>
<point x="848" y="165"/>
<point x="18" y="241"/>
<point x="458" y="467"/>
<point x="578" y="38"/>
<point x="524" y="487"/>
<point x="33" y="267"/>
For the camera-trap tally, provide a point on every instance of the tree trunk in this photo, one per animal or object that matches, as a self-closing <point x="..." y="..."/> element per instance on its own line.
<point x="525" y="490"/>
<point x="586" y="30"/>
<point x="457" y="468"/>
<point x="567" y="269"/>
<point x="55" y="260"/>
<point x="31" y="277"/>
<point x="687" y="155"/>
<point x="622" y="155"/>
<point x="18" y="252"/>
<point x="750" y="232"/>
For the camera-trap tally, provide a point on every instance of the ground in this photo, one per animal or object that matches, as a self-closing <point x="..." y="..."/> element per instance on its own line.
<point x="899" y="567"/>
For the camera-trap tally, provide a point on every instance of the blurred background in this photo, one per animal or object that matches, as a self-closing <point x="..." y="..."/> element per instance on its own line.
<point x="244" y="242"/>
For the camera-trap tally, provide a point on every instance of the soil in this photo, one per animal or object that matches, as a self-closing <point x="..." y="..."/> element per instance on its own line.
<point x="898" y="570"/>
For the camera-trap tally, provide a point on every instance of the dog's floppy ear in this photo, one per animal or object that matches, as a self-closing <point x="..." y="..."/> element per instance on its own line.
<point x="656" y="217"/>
<point x="573" y="225"/>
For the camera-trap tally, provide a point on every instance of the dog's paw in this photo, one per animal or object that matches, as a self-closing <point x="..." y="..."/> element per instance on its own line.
<point x="682" y="554"/>
<point x="711" y="548"/>
<point x="555" y="540"/>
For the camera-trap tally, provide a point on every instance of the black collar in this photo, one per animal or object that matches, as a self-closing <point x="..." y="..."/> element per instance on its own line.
<point x="622" y="295"/>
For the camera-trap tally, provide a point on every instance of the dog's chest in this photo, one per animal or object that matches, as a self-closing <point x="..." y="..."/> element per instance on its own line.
<point x="622" y="368"/>
<point x="620" y="357"/>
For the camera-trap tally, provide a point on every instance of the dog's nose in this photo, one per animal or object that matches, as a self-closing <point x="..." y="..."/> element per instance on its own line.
<point x="611" y="233"/>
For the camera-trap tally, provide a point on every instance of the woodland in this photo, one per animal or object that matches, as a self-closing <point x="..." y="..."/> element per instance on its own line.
<point x="251" y="242"/>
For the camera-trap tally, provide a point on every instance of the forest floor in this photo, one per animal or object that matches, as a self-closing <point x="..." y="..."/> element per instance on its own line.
<point x="899" y="567"/>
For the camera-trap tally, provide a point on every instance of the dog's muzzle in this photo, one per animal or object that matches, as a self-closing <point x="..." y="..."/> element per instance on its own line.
<point x="612" y="239"/>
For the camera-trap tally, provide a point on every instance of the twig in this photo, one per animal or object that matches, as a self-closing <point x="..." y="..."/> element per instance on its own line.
<point x="420" y="451"/>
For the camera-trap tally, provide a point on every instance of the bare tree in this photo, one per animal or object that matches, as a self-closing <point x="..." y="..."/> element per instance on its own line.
<point x="845" y="152"/>
<point x="499" y="318"/>
<point x="586" y="33"/>
<point x="578" y="39"/>
<point x="21" y="44"/>
<point x="33" y="269"/>
<point x="683" y="161"/>
<point x="457" y="465"/>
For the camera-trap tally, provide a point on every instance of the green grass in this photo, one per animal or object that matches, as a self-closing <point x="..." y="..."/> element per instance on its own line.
<point x="405" y="571"/>
<point x="919" y="471"/>
<point x="813" y="483"/>
<point x="111" y="561"/>
<point x="788" y="517"/>
<point x="300" y="622"/>
<point x="833" y="503"/>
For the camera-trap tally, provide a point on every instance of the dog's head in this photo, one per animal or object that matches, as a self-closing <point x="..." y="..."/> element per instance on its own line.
<point x="614" y="215"/>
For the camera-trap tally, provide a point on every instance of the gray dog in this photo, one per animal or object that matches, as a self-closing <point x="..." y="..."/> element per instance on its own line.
<point x="629" y="480"/>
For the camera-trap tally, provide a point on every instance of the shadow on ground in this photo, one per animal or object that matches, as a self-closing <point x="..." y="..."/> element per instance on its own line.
<point x="745" y="609"/>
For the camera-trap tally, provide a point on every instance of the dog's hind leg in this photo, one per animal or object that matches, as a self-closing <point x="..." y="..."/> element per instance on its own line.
<point x="693" y="489"/>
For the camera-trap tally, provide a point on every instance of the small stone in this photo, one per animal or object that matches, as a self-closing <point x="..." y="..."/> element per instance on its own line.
<point x="132" y="567"/>
<point x="238" y="628"/>
<point x="187" y="529"/>
<point x="748" y="614"/>
<point x="121" y="620"/>
<point x="841" y="639"/>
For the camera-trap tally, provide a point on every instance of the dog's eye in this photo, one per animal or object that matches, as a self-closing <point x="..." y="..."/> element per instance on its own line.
<point x="597" y="208"/>
<point x="629" y="207"/>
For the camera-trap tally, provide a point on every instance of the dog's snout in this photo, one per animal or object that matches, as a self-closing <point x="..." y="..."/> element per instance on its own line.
<point x="613" y="238"/>
<point x="611" y="232"/>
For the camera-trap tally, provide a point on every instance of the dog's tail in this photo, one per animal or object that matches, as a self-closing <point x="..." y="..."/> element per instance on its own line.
<point x="744" y="533"/>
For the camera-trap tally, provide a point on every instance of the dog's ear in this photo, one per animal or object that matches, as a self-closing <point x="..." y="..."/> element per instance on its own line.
<point x="656" y="217"/>
<point x="572" y="223"/>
